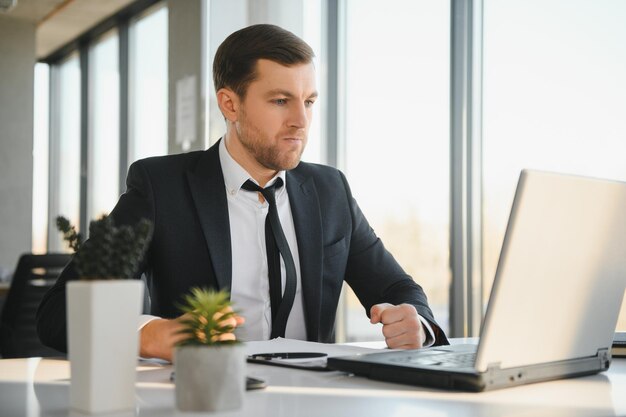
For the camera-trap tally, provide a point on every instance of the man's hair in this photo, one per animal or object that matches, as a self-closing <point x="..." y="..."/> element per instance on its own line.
<point x="235" y="61"/>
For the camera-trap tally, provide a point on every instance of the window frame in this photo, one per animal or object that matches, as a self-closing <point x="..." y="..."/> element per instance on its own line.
<point x="121" y="22"/>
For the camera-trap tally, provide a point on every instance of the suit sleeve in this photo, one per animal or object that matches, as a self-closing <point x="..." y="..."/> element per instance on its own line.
<point x="376" y="277"/>
<point x="136" y="203"/>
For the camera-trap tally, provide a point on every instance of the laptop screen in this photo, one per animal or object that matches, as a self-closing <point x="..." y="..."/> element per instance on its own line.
<point x="561" y="275"/>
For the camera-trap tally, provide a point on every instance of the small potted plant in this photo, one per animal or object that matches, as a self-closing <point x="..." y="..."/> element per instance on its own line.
<point x="103" y="309"/>
<point x="209" y="362"/>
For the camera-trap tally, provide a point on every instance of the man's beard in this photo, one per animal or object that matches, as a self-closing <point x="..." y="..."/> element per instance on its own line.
<point x="264" y="149"/>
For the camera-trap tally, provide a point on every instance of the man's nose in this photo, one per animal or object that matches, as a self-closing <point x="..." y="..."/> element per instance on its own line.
<point x="298" y="116"/>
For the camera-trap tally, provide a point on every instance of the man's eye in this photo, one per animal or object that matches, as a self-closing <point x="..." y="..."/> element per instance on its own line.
<point x="309" y="103"/>
<point x="280" y="101"/>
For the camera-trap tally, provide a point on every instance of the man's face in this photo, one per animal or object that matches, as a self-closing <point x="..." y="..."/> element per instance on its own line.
<point x="274" y="118"/>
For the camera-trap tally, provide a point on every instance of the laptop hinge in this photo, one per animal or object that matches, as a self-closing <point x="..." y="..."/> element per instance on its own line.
<point x="493" y="366"/>
<point x="604" y="355"/>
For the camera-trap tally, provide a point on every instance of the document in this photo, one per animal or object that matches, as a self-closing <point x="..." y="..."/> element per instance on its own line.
<point x="298" y="353"/>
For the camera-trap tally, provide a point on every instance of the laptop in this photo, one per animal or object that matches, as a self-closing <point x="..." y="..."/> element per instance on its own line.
<point x="554" y="303"/>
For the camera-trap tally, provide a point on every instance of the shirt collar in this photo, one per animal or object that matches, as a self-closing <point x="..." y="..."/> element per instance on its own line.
<point x="235" y="175"/>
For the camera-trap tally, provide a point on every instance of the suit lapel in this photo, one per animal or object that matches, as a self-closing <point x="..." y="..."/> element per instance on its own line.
<point x="308" y="225"/>
<point x="206" y="182"/>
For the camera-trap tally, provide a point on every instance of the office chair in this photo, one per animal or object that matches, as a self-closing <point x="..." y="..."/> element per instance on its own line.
<point x="34" y="275"/>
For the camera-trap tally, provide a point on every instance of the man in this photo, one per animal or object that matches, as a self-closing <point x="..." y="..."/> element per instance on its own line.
<point x="219" y="212"/>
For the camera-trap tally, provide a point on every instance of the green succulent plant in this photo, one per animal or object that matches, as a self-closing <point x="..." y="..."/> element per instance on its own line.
<point x="208" y="318"/>
<point x="110" y="252"/>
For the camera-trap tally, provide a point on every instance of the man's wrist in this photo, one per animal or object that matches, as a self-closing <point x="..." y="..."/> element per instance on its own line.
<point x="148" y="344"/>
<point x="428" y="331"/>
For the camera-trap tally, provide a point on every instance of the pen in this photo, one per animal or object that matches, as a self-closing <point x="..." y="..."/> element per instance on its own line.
<point x="287" y="355"/>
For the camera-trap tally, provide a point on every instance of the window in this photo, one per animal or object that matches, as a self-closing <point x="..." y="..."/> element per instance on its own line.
<point x="104" y="126"/>
<point x="64" y="148"/>
<point x="397" y="139"/>
<point x="148" y="83"/>
<point x="554" y="99"/>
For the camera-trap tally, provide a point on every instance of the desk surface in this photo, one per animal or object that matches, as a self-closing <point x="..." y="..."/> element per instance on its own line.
<point x="40" y="387"/>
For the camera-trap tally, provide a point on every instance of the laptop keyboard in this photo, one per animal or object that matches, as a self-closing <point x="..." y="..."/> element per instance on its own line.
<point x="451" y="360"/>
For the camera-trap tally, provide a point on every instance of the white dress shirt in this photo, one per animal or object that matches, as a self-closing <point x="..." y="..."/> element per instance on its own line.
<point x="250" y="284"/>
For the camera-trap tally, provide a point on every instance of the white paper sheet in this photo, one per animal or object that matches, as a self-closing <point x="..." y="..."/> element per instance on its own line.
<point x="281" y="345"/>
<point x="291" y="345"/>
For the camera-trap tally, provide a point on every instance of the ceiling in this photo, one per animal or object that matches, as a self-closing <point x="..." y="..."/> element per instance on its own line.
<point x="60" y="21"/>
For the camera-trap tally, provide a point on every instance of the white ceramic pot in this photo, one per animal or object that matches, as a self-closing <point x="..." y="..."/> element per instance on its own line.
<point x="103" y="343"/>
<point x="210" y="378"/>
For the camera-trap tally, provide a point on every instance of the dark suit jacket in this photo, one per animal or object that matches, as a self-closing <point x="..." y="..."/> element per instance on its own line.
<point x="185" y="197"/>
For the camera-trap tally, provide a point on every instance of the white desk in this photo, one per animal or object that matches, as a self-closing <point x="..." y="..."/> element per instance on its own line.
<point x="40" y="387"/>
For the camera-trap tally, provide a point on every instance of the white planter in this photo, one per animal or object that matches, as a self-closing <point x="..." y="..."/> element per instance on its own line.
<point x="103" y="343"/>
<point x="210" y="378"/>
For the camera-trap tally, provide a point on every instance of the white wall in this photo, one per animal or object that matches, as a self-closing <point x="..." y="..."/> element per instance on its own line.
<point x="17" y="61"/>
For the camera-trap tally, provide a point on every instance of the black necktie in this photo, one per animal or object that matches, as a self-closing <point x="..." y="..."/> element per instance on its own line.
<point x="277" y="246"/>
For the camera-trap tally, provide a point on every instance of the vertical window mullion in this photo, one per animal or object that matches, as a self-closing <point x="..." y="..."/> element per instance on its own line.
<point x="332" y="17"/>
<point x="84" y="137"/>
<point x="124" y="68"/>
<point x="465" y="169"/>
<point x="53" y="156"/>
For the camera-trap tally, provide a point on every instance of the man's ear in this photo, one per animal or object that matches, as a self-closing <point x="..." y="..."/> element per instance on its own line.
<point x="228" y="101"/>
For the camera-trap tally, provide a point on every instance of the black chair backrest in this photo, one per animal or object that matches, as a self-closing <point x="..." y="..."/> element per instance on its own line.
<point x="34" y="275"/>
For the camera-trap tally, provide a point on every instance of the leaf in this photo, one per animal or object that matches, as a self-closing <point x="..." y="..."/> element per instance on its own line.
<point x="207" y="310"/>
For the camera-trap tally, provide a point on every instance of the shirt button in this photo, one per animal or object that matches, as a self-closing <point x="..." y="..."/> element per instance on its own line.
<point x="233" y="192"/>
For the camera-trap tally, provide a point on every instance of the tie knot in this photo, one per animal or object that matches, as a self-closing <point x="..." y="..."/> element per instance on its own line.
<point x="268" y="192"/>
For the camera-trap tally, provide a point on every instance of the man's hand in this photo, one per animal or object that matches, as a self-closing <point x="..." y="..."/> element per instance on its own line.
<point x="158" y="337"/>
<point x="402" y="327"/>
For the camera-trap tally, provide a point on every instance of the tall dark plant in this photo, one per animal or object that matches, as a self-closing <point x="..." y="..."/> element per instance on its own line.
<point x="110" y="252"/>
